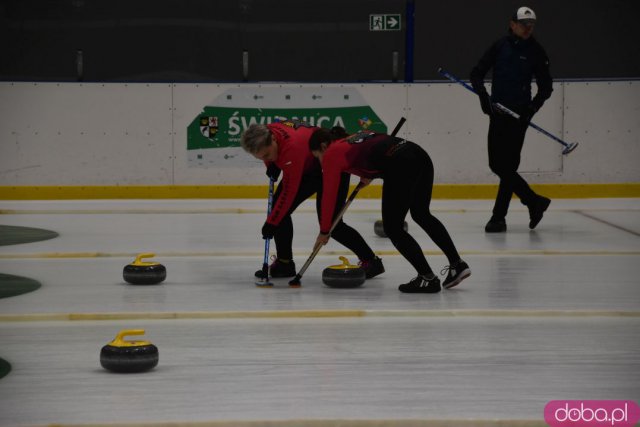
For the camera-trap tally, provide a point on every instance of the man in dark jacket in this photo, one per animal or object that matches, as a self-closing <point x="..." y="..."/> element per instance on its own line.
<point x="515" y="59"/>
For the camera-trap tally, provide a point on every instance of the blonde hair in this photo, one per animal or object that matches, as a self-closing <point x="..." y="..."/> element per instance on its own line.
<point x="255" y="138"/>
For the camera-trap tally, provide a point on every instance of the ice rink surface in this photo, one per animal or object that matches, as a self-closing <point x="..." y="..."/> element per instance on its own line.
<point x="549" y="314"/>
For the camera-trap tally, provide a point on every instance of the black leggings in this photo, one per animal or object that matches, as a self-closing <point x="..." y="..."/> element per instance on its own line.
<point x="342" y="233"/>
<point x="505" y="141"/>
<point x="407" y="187"/>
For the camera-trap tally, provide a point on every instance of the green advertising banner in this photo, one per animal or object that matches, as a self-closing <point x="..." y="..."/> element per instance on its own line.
<point x="213" y="137"/>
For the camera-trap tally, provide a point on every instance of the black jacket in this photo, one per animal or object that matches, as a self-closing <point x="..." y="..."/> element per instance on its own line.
<point x="515" y="62"/>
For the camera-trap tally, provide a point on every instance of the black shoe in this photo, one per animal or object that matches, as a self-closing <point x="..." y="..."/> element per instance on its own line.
<point x="496" y="226"/>
<point x="421" y="284"/>
<point x="456" y="274"/>
<point x="279" y="268"/>
<point x="536" y="210"/>
<point x="372" y="267"/>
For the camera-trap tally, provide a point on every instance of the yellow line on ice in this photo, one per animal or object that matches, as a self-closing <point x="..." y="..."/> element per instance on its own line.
<point x="309" y="314"/>
<point x="76" y="255"/>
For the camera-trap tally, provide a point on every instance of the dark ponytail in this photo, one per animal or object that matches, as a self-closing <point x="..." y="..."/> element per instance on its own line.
<point x="327" y="136"/>
<point x="318" y="137"/>
<point x="338" y="132"/>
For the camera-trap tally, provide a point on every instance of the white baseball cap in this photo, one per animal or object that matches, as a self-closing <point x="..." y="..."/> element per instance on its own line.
<point x="524" y="14"/>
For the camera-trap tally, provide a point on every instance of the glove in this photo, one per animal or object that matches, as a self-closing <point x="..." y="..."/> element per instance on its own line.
<point x="526" y="115"/>
<point x="485" y="103"/>
<point x="268" y="230"/>
<point x="273" y="171"/>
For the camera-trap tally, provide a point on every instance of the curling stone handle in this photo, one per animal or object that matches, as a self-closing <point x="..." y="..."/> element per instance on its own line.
<point x="345" y="261"/>
<point x="119" y="340"/>
<point x="139" y="261"/>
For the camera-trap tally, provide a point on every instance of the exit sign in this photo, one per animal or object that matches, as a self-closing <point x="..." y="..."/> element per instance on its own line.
<point x="385" y="22"/>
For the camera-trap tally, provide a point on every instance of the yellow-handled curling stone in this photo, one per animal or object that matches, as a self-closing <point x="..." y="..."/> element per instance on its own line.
<point x="378" y="228"/>
<point x="129" y="356"/>
<point x="344" y="275"/>
<point x="143" y="272"/>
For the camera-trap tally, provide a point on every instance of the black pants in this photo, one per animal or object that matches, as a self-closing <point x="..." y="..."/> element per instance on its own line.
<point x="506" y="138"/>
<point x="407" y="187"/>
<point x="342" y="233"/>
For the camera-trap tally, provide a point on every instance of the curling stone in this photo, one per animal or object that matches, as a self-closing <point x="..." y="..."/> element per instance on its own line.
<point x="129" y="356"/>
<point x="144" y="273"/>
<point x="344" y="275"/>
<point x="378" y="228"/>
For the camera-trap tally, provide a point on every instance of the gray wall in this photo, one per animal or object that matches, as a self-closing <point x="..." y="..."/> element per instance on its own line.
<point x="321" y="41"/>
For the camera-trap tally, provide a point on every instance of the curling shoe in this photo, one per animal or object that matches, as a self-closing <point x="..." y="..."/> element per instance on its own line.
<point x="456" y="273"/>
<point x="279" y="268"/>
<point x="372" y="267"/>
<point x="536" y="210"/>
<point x="421" y="284"/>
<point x="496" y="226"/>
